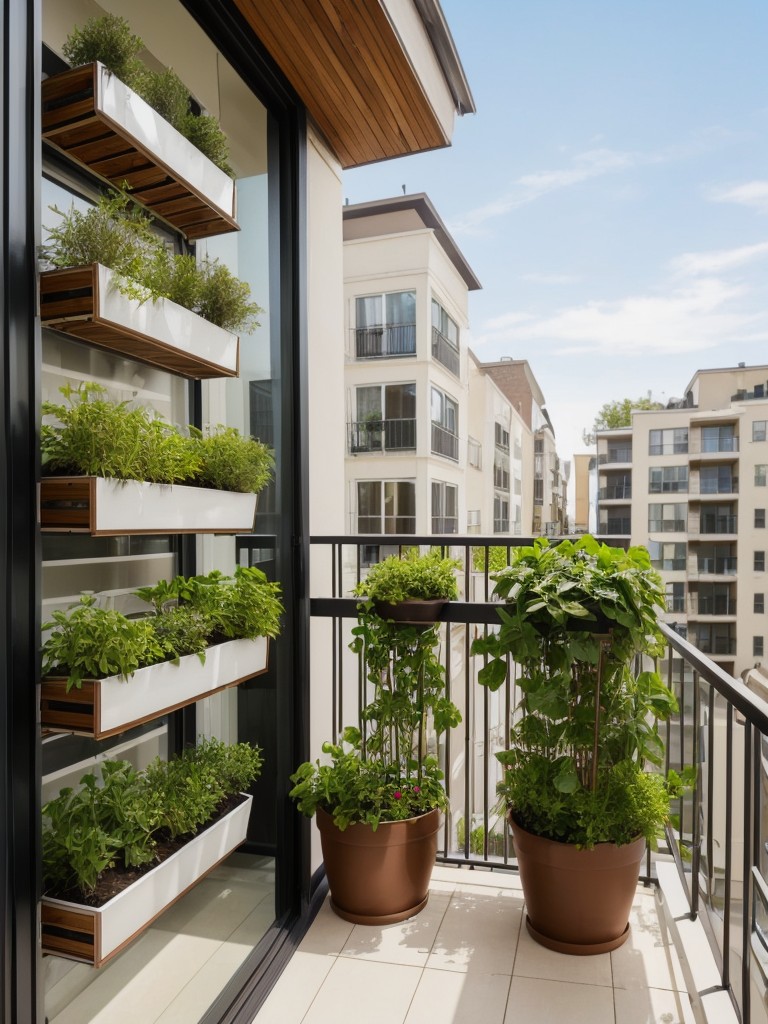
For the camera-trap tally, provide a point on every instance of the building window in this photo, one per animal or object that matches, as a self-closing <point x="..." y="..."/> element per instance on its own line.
<point x="675" y="597"/>
<point x="758" y="604"/>
<point x="668" y="555"/>
<point x="500" y="513"/>
<point x="445" y="339"/>
<point x="757" y="646"/>
<point x="759" y="563"/>
<point x="672" y="441"/>
<point x="474" y="453"/>
<point x="445" y="507"/>
<point x="501" y="470"/>
<point x="538" y="492"/>
<point x="445" y="425"/>
<point x="758" y="430"/>
<point x="761" y="475"/>
<point x="501" y="437"/>
<point x="385" y="325"/>
<point x="386" y="418"/>
<point x="759" y="518"/>
<point x="386" y="506"/>
<point x="717" y="480"/>
<point x="667" y="518"/>
<point x="719" y="439"/>
<point x="668" y="479"/>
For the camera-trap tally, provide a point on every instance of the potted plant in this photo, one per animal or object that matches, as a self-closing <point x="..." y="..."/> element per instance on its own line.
<point x="379" y="799"/>
<point x="134" y="125"/>
<point x="104" y="672"/>
<point x="114" y="469"/>
<point x="411" y="588"/>
<point x="114" y="283"/>
<point x="582" y="802"/>
<point x="123" y="847"/>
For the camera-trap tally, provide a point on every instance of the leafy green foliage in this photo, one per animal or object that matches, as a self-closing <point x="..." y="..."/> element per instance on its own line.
<point x="95" y="437"/>
<point x="109" y="39"/>
<point x="88" y="642"/>
<point x="616" y="414"/>
<point x="380" y="772"/>
<point x="425" y="577"/>
<point x="117" y="821"/>
<point x="577" y="616"/>
<point x="117" y="233"/>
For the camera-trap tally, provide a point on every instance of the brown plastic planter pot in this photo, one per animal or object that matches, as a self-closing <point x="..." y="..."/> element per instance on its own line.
<point x="412" y="612"/>
<point x="577" y="901"/>
<point x="383" y="876"/>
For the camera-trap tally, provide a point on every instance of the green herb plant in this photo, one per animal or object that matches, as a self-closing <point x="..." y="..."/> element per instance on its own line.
<point x="426" y="577"/>
<point x="109" y="39"/>
<point x="117" y="233"/>
<point x="381" y="770"/>
<point x="88" y="434"/>
<point x="186" y="616"/>
<point x="117" y="820"/>
<point x="580" y="767"/>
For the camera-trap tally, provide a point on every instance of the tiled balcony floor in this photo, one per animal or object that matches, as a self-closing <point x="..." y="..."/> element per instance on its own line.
<point x="468" y="959"/>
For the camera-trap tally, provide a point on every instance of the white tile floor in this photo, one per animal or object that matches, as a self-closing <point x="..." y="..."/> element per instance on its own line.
<point x="468" y="959"/>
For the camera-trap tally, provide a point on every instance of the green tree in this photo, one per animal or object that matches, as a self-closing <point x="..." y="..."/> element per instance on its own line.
<point x="617" y="414"/>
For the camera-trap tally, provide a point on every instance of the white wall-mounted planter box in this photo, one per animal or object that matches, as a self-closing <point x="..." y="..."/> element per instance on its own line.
<point x="95" y="935"/>
<point x="86" y="303"/>
<point x="95" y="119"/>
<point x="107" y="707"/>
<point x="116" y="508"/>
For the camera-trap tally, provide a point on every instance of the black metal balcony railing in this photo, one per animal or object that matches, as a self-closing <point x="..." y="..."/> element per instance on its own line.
<point x="615" y="455"/>
<point x="445" y="353"/>
<point x="616" y="525"/>
<point x="720" y="604"/>
<point x="621" y="492"/>
<point x="382" y="435"/>
<point x="717" y="566"/>
<point x="714" y="524"/>
<point x="718" y="840"/>
<point x="445" y="442"/>
<point x="719" y="645"/>
<point x="381" y="342"/>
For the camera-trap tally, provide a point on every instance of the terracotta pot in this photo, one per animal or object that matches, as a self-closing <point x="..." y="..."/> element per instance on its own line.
<point x="412" y="612"/>
<point x="577" y="901"/>
<point x="383" y="876"/>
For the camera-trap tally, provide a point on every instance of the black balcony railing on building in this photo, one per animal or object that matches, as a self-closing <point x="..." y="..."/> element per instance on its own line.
<point x="720" y="831"/>
<point x="445" y="353"/>
<point x="382" y="342"/>
<point x="444" y="442"/>
<point x="718" y="604"/>
<point x="714" y="524"/>
<point x="615" y="455"/>
<point x="382" y="435"/>
<point x="725" y="566"/>
<point x="717" y="645"/>
<point x="620" y="492"/>
<point x="618" y="524"/>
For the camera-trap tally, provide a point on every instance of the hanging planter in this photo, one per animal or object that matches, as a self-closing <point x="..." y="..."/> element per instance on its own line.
<point x="93" y="935"/>
<point x="106" y="707"/>
<point x="95" y="119"/>
<point x="109" y="508"/>
<point x="86" y="303"/>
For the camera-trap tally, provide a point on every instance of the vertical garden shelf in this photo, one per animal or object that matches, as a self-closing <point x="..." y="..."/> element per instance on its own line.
<point x="95" y="119"/>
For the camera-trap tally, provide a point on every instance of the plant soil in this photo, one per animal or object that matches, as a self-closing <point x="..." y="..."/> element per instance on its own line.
<point x="114" y="880"/>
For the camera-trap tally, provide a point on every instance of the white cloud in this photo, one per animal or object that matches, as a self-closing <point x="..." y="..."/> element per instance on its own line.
<point x="751" y="193"/>
<point x="688" y="319"/>
<point x="718" y="261"/>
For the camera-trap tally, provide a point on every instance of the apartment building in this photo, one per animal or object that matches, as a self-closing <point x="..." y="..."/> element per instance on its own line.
<point x="691" y="482"/>
<point x="437" y="441"/>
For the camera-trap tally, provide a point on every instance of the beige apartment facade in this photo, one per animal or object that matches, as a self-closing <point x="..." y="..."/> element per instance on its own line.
<point x="690" y="483"/>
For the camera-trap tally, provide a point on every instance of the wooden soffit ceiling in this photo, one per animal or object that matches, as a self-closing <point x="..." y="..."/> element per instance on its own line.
<point x="349" y="68"/>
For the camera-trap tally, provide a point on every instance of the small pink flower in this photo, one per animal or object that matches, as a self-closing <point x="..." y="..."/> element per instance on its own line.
<point x="398" y="794"/>
<point x="417" y="789"/>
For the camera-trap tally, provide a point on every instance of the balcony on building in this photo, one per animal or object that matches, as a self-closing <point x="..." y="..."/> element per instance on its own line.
<point x="712" y="521"/>
<point x="717" y="640"/>
<point x="616" y="524"/>
<point x="383" y="342"/>
<point x="445" y="442"/>
<point x="713" y="443"/>
<point x="617" y="489"/>
<point x="395" y="435"/>
<point x="712" y="560"/>
<point x="618" y="455"/>
<point x="712" y="601"/>
<point x="709" y="483"/>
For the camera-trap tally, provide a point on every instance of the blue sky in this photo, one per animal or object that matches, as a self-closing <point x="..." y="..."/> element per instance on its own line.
<point x="611" y="193"/>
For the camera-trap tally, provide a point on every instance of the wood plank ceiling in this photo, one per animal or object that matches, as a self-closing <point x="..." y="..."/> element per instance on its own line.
<point x="347" y="64"/>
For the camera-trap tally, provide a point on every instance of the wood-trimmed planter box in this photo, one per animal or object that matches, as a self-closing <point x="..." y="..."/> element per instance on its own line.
<point x="95" y="119"/>
<point x="117" y="508"/>
<point x="93" y="935"/>
<point x="86" y="303"/>
<point x="107" y="707"/>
